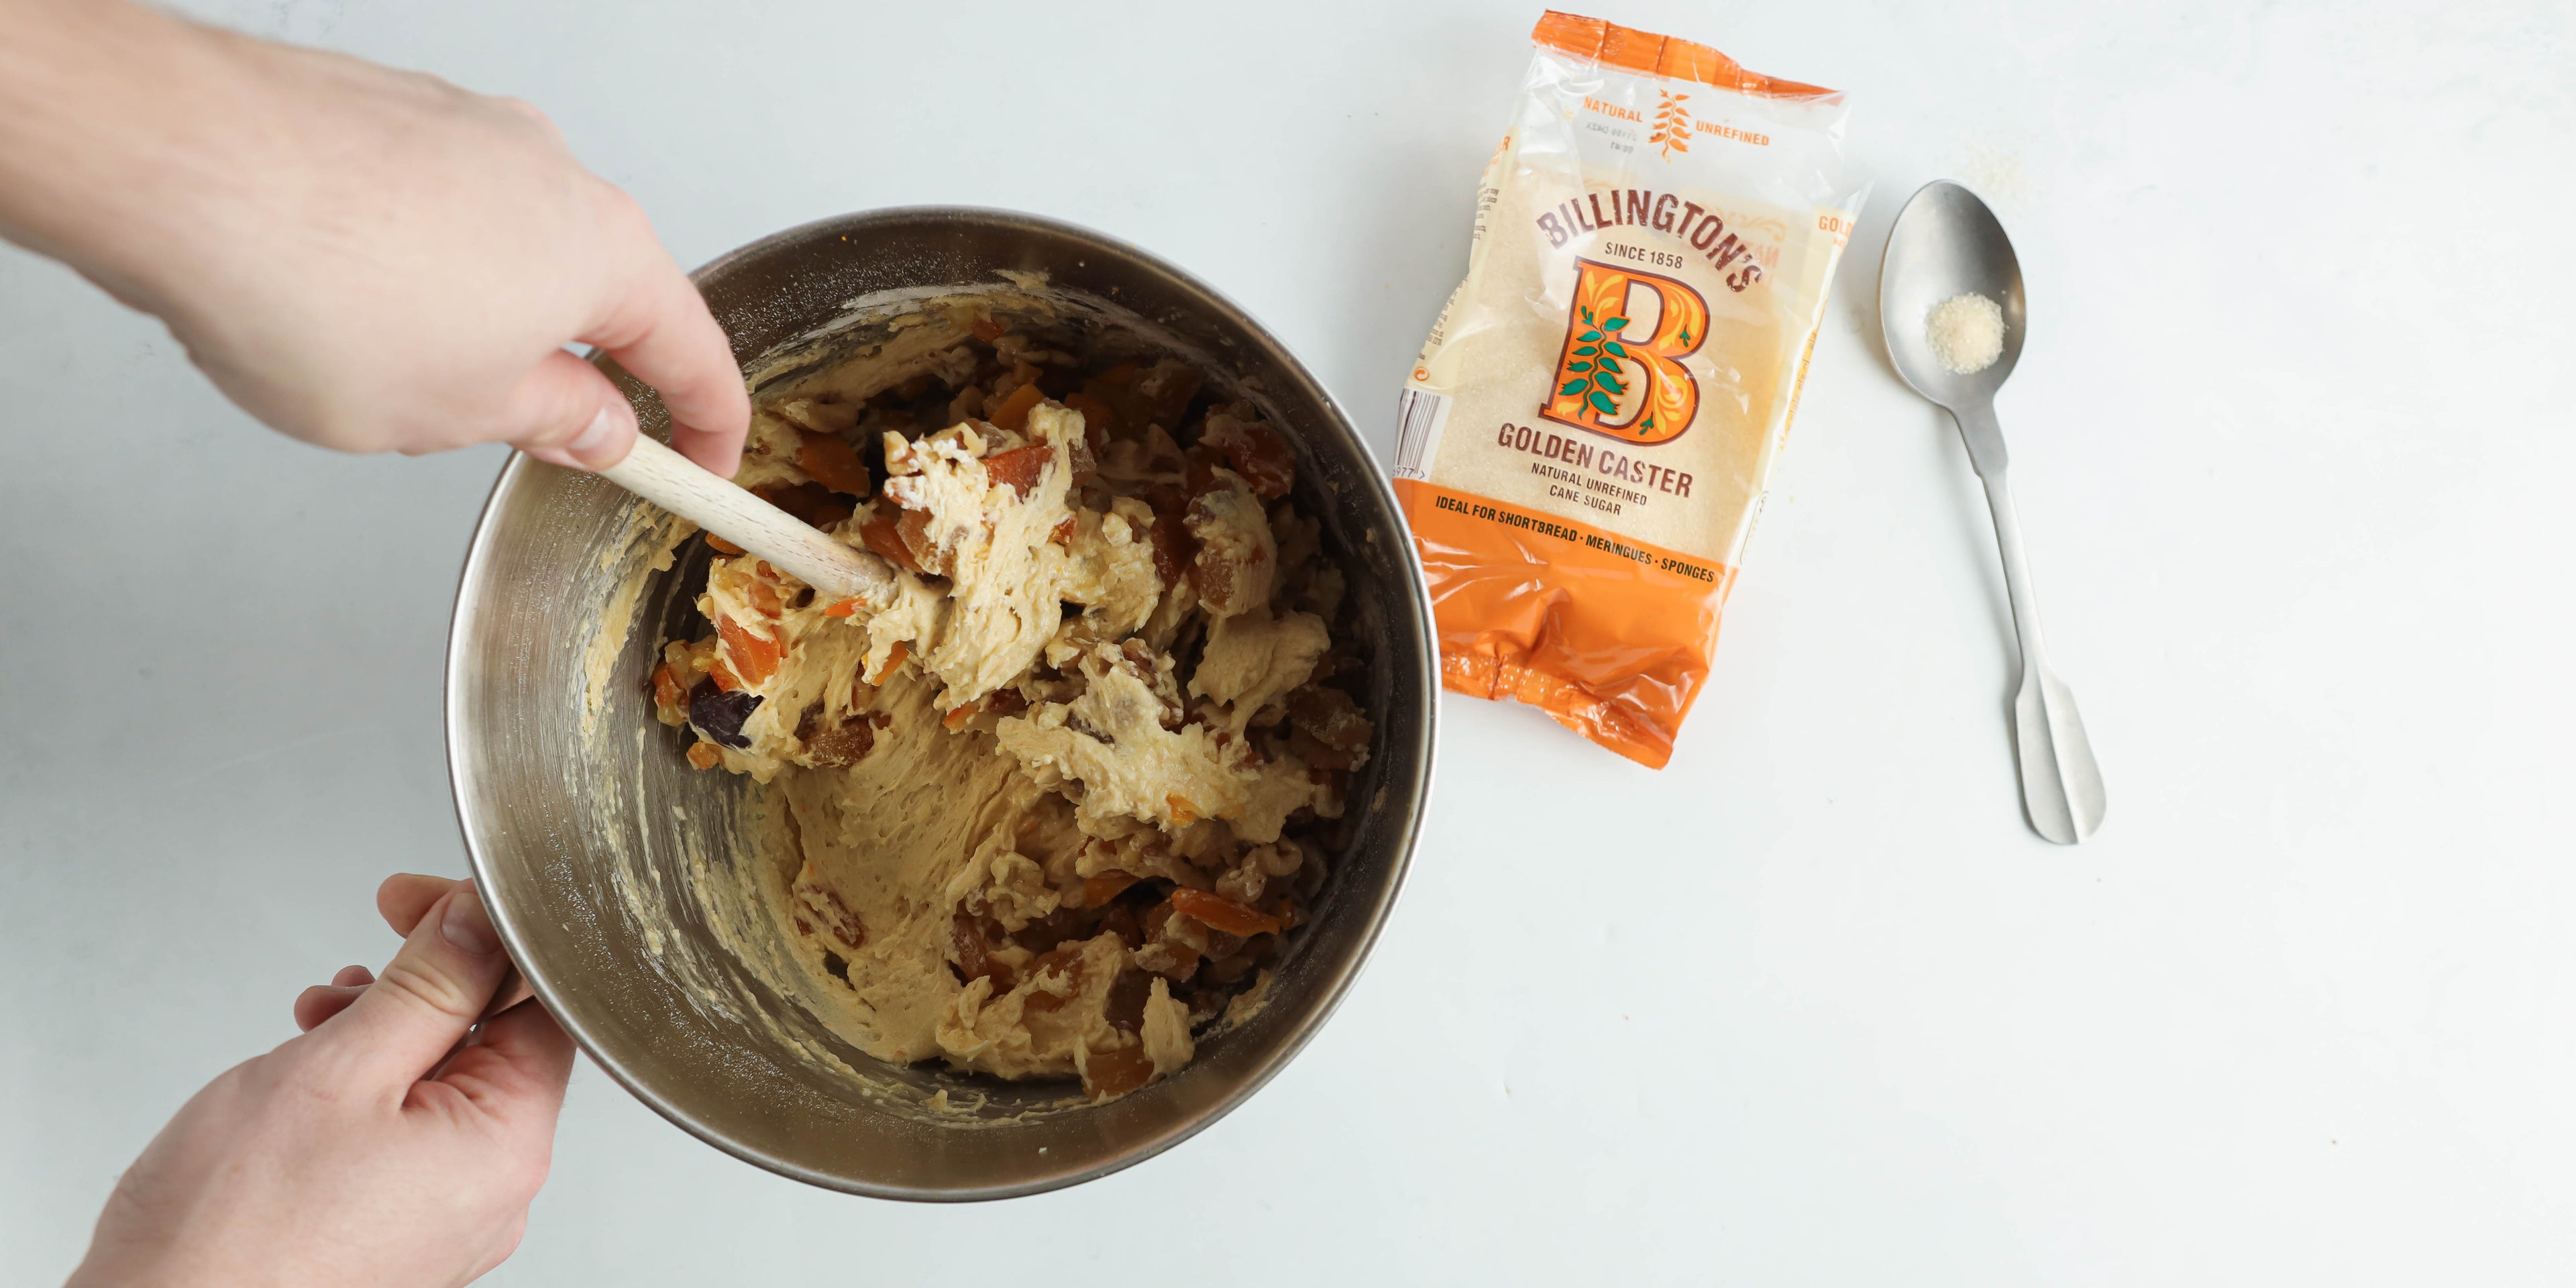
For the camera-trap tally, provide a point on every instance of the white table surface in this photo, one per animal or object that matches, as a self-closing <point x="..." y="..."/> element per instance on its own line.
<point x="1811" y="1006"/>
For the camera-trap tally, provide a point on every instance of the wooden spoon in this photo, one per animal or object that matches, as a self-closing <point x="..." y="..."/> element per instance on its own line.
<point x="675" y="483"/>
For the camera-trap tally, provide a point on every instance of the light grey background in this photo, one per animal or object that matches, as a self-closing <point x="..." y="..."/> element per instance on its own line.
<point x="2292" y="446"/>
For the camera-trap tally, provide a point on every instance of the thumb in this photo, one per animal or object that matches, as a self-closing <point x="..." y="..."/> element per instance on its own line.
<point x="425" y="999"/>
<point x="568" y="413"/>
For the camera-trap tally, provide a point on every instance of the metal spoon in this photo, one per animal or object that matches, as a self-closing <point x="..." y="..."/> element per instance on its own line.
<point x="1946" y="243"/>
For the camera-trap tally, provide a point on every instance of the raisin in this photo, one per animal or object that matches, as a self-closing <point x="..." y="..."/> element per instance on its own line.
<point x="1127" y="1000"/>
<point x="974" y="961"/>
<point x="843" y="745"/>
<point x="1065" y="961"/>
<point x="718" y="715"/>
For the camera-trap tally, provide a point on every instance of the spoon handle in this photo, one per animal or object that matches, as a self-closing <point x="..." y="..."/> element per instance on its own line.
<point x="2061" y="786"/>
<point x="675" y="483"/>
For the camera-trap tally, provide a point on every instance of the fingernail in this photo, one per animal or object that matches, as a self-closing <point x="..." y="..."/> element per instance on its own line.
<point x="467" y="926"/>
<point x="592" y="443"/>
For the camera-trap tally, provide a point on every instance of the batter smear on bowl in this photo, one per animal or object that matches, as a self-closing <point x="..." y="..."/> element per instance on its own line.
<point x="1058" y="801"/>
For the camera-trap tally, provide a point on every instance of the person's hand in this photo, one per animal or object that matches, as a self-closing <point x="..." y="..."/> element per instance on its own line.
<point x="368" y="259"/>
<point x="361" y="1152"/>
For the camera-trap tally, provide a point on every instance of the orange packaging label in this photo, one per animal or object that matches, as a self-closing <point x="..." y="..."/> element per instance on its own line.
<point x="1585" y="439"/>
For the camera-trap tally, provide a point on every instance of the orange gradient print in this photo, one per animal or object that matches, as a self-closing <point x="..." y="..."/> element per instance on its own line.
<point x="1621" y="376"/>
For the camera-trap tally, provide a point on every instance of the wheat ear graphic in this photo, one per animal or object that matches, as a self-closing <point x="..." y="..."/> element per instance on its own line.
<point x="1672" y="124"/>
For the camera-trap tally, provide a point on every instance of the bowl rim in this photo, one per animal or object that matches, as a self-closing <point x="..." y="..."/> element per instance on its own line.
<point x="479" y="552"/>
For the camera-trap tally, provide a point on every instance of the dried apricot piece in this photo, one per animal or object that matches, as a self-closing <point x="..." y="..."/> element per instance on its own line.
<point x="1098" y="420"/>
<point x="988" y="330"/>
<point x="668" y="692"/>
<point x="1115" y="1073"/>
<point x="722" y="546"/>
<point x="882" y="534"/>
<point x="755" y="657"/>
<point x="833" y="463"/>
<point x="842" y="608"/>
<point x="1013" y="413"/>
<point x="1020" y="467"/>
<point x="1221" y="913"/>
<point x="704" y="755"/>
<point x="1098" y="891"/>
<point x="914" y="530"/>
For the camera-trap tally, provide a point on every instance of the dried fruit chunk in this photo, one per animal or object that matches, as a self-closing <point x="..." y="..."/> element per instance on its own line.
<point x="974" y="960"/>
<point x="1326" y="729"/>
<point x="722" y="546"/>
<point x="1221" y="913"/>
<point x="843" y="745"/>
<point x="1098" y="421"/>
<point x="1237" y="556"/>
<point x="842" y="608"/>
<point x="1259" y="455"/>
<point x="703" y="755"/>
<point x="718" y="714"/>
<point x="812" y="503"/>
<point x="1013" y="412"/>
<point x="1021" y="467"/>
<point x="818" y="905"/>
<point x="668" y="693"/>
<point x="754" y="656"/>
<point x="1115" y="1073"/>
<point x="882" y="533"/>
<point x="1126" y="1009"/>
<point x="833" y="463"/>
<point x="1098" y="891"/>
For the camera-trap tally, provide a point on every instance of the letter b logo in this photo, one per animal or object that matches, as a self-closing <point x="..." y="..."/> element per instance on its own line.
<point x="1620" y="371"/>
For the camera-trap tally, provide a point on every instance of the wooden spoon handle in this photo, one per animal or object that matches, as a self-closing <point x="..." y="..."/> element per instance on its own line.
<point x="675" y="483"/>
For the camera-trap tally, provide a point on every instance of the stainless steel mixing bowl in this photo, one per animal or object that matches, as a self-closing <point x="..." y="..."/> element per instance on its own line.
<point x="589" y="832"/>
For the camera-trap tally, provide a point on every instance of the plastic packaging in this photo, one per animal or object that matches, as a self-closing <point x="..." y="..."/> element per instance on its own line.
<point x="1585" y="441"/>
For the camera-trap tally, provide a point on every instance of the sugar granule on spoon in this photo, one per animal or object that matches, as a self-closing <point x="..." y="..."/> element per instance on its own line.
<point x="1966" y="332"/>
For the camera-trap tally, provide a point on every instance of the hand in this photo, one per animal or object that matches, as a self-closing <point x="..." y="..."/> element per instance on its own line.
<point x="361" y="1152"/>
<point x="368" y="259"/>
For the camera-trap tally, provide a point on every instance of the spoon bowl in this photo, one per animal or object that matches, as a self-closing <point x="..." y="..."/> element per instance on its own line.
<point x="1946" y="243"/>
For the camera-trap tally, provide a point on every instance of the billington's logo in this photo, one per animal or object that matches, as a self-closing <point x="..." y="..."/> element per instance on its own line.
<point x="1621" y="372"/>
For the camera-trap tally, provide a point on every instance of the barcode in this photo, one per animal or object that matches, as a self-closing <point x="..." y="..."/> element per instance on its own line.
<point x="1419" y="416"/>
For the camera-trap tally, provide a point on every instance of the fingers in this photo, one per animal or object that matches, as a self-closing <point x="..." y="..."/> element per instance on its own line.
<point x="426" y="998"/>
<point x="322" y="1001"/>
<point x="406" y="897"/>
<point x="660" y="330"/>
<point x="566" y="411"/>
<point x="518" y="1064"/>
